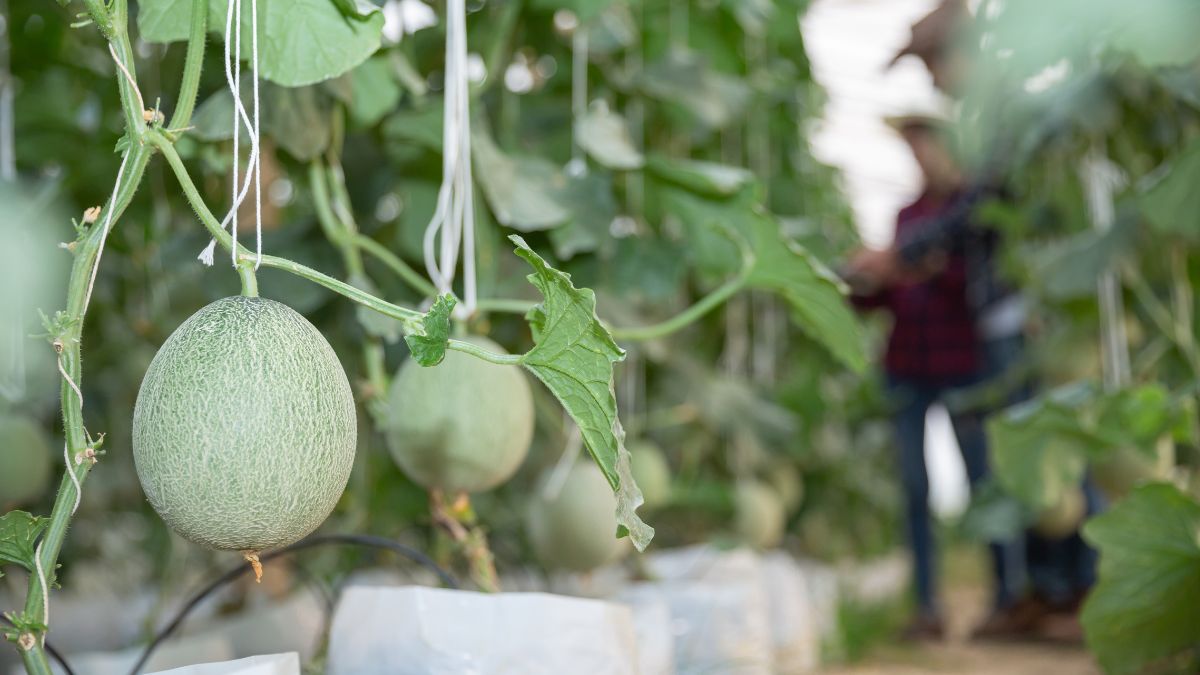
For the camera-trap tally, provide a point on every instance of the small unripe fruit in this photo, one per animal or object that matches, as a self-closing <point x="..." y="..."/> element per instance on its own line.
<point x="651" y="472"/>
<point x="759" y="515"/>
<point x="464" y="425"/>
<point x="576" y="528"/>
<point x="24" y="461"/>
<point x="1063" y="518"/>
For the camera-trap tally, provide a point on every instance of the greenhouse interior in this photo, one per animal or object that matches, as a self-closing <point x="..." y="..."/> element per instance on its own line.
<point x="698" y="337"/>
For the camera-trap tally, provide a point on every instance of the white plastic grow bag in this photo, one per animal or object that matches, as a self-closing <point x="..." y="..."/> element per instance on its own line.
<point x="794" y="631"/>
<point x="429" y="631"/>
<point x="652" y="626"/>
<point x="719" y="610"/>
<point x="268" y="664"/>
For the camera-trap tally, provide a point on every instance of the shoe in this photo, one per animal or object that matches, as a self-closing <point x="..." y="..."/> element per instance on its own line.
<point x="925" y="627"/>
<point x="1019" y="621"/>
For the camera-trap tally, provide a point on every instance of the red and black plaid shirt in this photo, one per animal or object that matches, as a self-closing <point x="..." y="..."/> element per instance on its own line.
<point x="933" y="333"/>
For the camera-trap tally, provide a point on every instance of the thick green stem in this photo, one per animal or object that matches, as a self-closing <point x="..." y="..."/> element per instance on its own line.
<point x="396" y="264"/>
<point x="245" y="269"/>
<point x="68" y="345"/>
<point x="481" y="353"/>
<point x="98" y="10"/>
<point x="685" y="318"/>
<point x="410" y="318"/>
<point x="192" y="65"/>
<point x="505" y="305"/>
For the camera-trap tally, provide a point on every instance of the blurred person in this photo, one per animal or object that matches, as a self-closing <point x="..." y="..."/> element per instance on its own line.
<point x="933" y="350"/>
<point x="1060" y="571"/>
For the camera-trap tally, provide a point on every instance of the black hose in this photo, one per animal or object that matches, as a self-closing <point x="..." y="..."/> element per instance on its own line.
<point x="365" y="540"/>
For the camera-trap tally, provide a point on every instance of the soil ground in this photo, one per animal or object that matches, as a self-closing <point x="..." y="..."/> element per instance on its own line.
<point x="966" y="603"/>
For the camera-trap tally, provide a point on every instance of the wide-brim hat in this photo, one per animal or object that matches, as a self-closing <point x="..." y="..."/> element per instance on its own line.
<point x="932" y="34"/>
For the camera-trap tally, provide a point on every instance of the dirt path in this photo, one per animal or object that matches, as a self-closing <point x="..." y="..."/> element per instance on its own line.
<point x="958" y="656"/>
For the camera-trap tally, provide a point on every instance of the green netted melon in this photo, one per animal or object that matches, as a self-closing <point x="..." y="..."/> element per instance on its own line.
<point x="575" y="529"/>
<point x="464" y="425"/>
<point x="651" y="472"/>
<point x="783" y="477"/>
<point x="1127" y="468"/>
<point x="1063" y="518"/>
<point x="759" y="515"/>
<point x="244" y="429"/>
<point x="24" y="461"/>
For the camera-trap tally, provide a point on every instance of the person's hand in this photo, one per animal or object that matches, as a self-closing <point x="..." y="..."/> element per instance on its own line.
<point x="876" y="267"/>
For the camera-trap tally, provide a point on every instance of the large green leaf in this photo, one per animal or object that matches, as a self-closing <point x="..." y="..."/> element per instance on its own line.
<point x="709" y="178"/>
<point x="1172" y="203"/>
<point x="297" y="119"/>
<point x="573" y="355"/>
<point x="302" y="41"/>
<point x="593" y="209"/>
<point x="525" y="192"/>
<point x="1037" y="454"/>
<point x="604" y="136"/>
<point x="781" y="266"/>
<point x="18" y="533"/>
<point x="374" y="91"/>
<point x="1144" y="609"/>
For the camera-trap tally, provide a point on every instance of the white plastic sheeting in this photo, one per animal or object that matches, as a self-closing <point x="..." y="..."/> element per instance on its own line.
<point x="720" y="611"/>
<point x="429" y="631"/>
<point x="269" y="664"/>
<point x="794" y="631"/>
<point x="652" y="625"/>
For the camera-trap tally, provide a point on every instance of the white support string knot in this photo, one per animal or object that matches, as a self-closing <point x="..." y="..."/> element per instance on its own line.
<point x="251" y="122"/>
<point x="452" y="227"/>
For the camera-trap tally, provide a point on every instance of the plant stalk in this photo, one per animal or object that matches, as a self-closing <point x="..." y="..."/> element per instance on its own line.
<point x="410" y="318"/>
<point x="192" y="66"/>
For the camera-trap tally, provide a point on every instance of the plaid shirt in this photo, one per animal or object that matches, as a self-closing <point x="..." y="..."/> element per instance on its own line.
<point x="933" y="336"/>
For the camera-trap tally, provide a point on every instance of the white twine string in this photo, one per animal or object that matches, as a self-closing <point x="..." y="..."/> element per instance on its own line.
<point x="452" y="227"/>
<point x="233" y="77"/>
<point x="108" y="217"/>
<point x="128" y="76"/>
<point x="579" y="97"/>
<point x="1101" y="180"/>
<point x="37" y="563"/>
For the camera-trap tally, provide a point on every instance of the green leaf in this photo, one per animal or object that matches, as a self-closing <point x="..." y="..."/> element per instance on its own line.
<point x="781" y="266"/>
<point x="1144" y="609"/>
<point x="1034" y="466"/>
<point x="18" y="533"/>
<point x="1069" y="269"/>
<point x="604" y="136"/>
<point x="1172" y="203"/>
<point x="302" y="41"/>
<point x="593" y="209"/>
<point x="711" y="99"/>
<point x="1039" y="449"/>
<point x="573" y="355"/>
<point x="299" y="121"/>
<point x="421" y="125"/>
<point x="707" y="178"/>
<point x="430" y="348"/>
<point x="374" y="90"/>
<point x="523" y="191"/>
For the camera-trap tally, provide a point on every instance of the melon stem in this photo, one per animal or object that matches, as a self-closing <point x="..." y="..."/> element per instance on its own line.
<point x="245" y="269"/>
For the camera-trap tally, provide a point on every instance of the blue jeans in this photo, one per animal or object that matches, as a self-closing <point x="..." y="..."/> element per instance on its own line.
<point x="912" y="399"/>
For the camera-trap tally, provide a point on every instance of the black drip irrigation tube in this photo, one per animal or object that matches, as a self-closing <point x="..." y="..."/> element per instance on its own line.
<point x="361" y="540"/>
